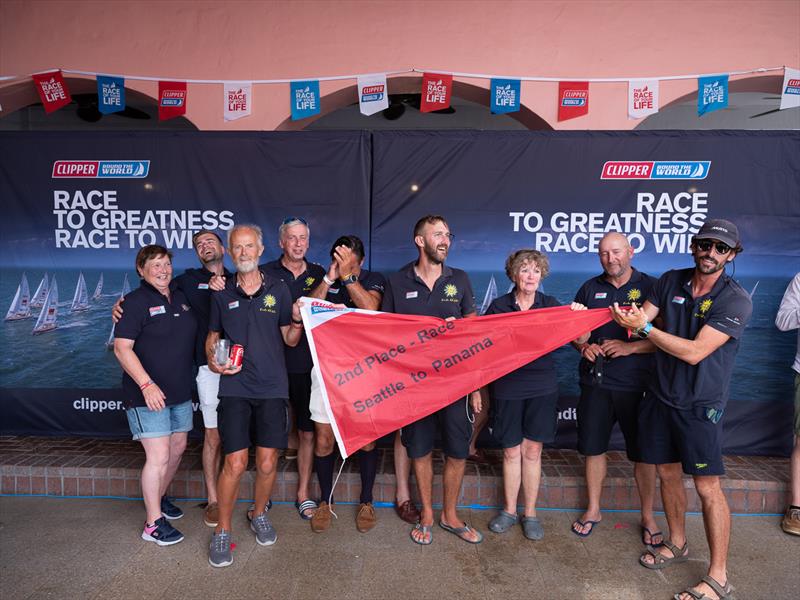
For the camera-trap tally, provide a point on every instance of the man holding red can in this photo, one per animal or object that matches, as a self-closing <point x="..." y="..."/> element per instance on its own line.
<point x="257" y="315"/>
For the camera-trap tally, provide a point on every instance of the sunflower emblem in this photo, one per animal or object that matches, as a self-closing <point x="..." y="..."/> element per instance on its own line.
<point x="269" y="301"/>
<point x="309" y="281"/>
<point x="634" y="294"/>
<point x="450" y="290"/>
<point x="705" y="305"/>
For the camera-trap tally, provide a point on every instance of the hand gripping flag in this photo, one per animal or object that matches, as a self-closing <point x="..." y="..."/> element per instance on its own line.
<point x="382" y="371"/>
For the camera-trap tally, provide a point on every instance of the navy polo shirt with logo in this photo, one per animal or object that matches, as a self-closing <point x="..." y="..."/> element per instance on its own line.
<point x="163" y="331"/>
<point x="194" y="284"/>
<point x="630" y="373"/>
<point x="727" y="308"/>
<point x="407" y="294"/>
<point x="372" y="282"/>
<point x="298" y="359"/>
<point x="254" y="322"/>
<point x="538" y="377"/>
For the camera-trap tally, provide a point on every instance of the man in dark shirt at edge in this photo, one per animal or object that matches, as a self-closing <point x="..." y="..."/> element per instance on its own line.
<point x="704" y="314"/>
<point x="428" y="287"/>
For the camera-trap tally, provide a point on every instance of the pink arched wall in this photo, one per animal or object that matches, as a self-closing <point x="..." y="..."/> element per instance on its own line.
<point x="304" y="39"/>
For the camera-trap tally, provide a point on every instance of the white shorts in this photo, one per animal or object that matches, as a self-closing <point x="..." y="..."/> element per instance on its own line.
<point x="317" y="405"/>
<point x="207" y="390"/>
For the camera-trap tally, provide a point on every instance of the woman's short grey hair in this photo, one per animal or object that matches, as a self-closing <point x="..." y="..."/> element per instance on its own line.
<point x="254" y="228"/>
<point x="516" y="260"/>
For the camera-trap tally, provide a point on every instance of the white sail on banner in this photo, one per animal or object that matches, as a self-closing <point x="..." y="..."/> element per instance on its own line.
<point x="47" y="318"/>
<point x="41" y="293"/>
<point x="491" y="294"/>
<point x="80" y="301"/>
<point x="21" y="306"/>
<point x="126" y="288"/>
<point x="99" y="289"/>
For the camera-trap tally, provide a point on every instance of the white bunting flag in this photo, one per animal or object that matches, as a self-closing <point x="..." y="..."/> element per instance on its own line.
<point x="238" y="100"/>
<point x="642" y="98"/>
<point x="790" y="92"/>
<point x="372" y="94"/>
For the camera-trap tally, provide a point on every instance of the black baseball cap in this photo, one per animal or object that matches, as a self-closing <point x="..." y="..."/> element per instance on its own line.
<point x="719" y="229"/>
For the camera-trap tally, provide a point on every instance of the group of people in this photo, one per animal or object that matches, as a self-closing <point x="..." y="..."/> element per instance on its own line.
<point x="660" y="369"/>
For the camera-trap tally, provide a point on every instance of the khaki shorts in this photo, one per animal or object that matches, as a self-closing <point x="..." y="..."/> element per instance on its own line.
<point x="317" y="405"/>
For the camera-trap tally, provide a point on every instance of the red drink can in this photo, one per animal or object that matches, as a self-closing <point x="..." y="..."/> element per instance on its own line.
<point x="237" y="355"/>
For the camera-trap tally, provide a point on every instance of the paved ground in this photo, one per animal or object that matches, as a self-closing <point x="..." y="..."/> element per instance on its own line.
<point x="90" y="548"/>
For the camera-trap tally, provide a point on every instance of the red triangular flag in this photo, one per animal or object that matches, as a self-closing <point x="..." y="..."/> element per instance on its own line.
<point x="52" y="90"/>
<point x="436" y="90"/>
<point x="573" y="99"/>
<point x="171" y="99"/>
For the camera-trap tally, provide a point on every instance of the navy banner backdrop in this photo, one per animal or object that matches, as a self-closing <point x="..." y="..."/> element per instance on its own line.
<point x="78" y="203"/>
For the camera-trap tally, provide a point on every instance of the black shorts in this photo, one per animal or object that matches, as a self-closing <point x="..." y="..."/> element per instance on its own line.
<point x="598" y="410"/>
<point x="419" y="436"/>
<point x="668" y="435"/>
<point x="243" y="422"/>
<point x="300" y="397"/>
<point x="535" y="419"/>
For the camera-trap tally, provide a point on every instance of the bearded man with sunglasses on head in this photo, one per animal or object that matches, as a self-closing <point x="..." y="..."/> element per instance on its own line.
<point x="704" y="314"/>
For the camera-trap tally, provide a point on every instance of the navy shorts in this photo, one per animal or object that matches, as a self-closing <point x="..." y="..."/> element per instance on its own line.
<point x="267" y="419"/>
<point x="535" y="419"/>
<point x="300" y="397"/>
<point x="690" y="437"/>
<point x="419" y="436"/>
<point x="598" y="410"/>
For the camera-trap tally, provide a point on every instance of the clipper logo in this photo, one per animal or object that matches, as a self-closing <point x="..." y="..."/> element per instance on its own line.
<point x="173" y="98"/>
<point x="656" y="169"/>
<point x="574" y="98"/>
<point x="792" y="87"/>
<point x="118" y="169"/>
<point x="372" y="93"/>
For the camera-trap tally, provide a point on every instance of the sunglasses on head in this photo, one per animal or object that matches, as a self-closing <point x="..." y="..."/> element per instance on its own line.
<point x="288" y="220"/>
<point x="706" y="245"/>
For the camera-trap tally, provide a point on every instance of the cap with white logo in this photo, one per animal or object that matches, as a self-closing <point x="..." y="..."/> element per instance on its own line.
<point x="719" y="229"/>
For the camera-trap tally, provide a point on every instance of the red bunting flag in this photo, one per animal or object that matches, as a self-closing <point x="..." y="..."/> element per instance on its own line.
<point x="52" y="90"/>
<point x="573" y="99"/>
<point x="171" y="99"/>
<point x="397" y="369"/>
<point x="436" y="91"/>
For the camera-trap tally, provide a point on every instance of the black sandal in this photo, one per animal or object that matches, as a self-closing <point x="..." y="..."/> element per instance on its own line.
<point x="723" y="592"/>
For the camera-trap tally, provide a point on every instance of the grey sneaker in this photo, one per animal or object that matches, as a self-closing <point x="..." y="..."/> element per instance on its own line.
<point x="219" y="551"/>
<point x="265" y="532"/>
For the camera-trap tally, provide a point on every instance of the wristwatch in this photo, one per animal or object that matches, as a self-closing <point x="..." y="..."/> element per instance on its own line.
<point x="644" y="331"/>
<point x="350" y="279"/>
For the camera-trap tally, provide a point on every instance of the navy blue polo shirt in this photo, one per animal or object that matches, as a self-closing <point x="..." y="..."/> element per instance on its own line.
<point x="407" y="294"/>
<point x="538" y="377"/>
<point x="727" y="308"/>
<point x="194" y="284"/>
<point x="372" y="282"/>
<point x="254" y="322"/>
<point x="298" y="359"/>
<point x="630" y="373"/>
<point x="164" y="334"/>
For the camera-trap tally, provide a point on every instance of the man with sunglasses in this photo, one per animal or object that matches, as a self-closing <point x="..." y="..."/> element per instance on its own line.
<point x="704" y="313"/>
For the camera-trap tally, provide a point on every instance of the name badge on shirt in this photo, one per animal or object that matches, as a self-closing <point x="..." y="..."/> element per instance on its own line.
<point x="410" y="295"/>
<point x="157" y="310"/>
<point x="232" y="305"/>
<point x="202" y="286"/>
<point x="333" y="290"/>
<point x="678" y="299"/>
<point x="601" y="295"/>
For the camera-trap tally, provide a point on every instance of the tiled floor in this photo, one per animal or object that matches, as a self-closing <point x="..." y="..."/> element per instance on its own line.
<point x="92" y="467"/>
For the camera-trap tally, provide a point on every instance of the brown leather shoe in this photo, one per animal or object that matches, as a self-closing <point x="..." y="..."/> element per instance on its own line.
<point x="407" y="511"/>
<point x="211" y="515"/>
<point x="366" y="518"/>
<point x="322" y="518"/>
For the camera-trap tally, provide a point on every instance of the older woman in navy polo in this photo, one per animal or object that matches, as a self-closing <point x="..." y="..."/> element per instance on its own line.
<point x="524" y="402"/>
<point x="154" y="344"/>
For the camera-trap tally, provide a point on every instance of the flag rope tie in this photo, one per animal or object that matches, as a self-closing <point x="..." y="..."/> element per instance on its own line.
<point x="335" y="481"/>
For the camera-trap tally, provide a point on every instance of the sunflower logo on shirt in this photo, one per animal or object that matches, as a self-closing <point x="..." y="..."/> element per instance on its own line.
<point x="705" y="305"/>
<point x="309" y="282"/>
<point x="634" y="294"/>
<point x="269" y="303"/>
<point x="450" y="290"/>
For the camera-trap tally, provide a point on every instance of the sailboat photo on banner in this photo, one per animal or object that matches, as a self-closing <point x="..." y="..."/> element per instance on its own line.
<point x="47" y="318"/>
<point x="98" y="291"/>
<point x="21" y="305"/>
<point x="126" y="288"/>
<point x="80" y="301"/>
<point x="491" y="294"/>
<point x="41" y="293"/>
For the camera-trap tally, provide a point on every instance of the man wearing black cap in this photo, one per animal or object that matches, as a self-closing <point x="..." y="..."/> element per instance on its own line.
<point x="704" y="313"/>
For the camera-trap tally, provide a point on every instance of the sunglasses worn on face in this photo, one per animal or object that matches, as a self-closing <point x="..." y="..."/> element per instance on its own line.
<point x="706" y="245"/>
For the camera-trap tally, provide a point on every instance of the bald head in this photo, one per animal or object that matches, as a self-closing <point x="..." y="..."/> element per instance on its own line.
<point x="615" y="254"/>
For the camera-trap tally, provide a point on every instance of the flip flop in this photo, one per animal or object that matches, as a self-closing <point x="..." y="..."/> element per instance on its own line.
<point x="305" y="505"/>
<point x="462" y="531"/>
<point x="583" y="524"/>
<point x="652" y="534"/>
<point x="427" y="530"/>
<point x="660" y="561"/>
